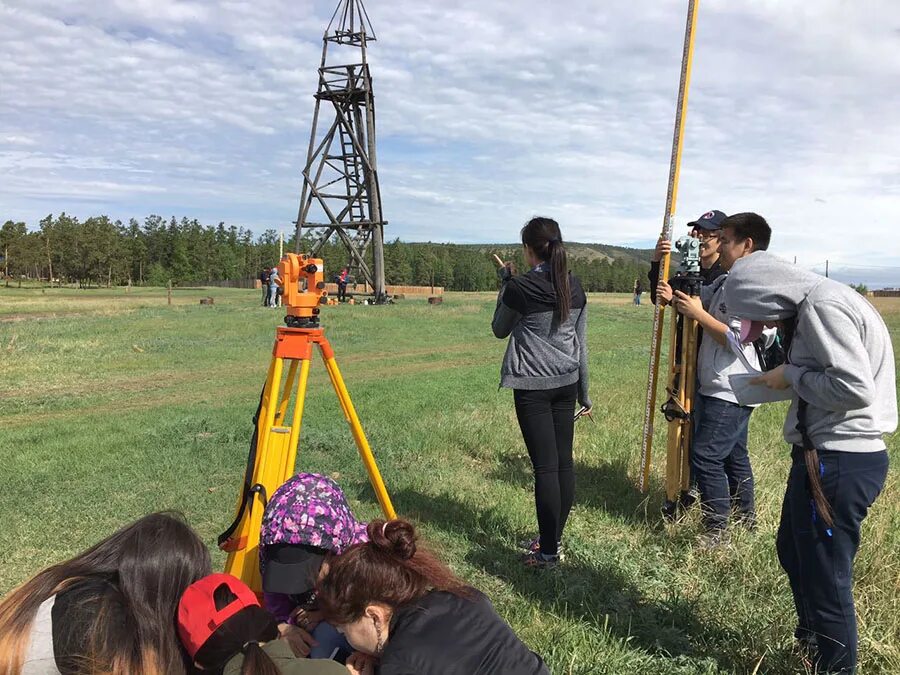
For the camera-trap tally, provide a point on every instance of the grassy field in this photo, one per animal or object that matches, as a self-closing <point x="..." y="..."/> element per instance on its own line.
<point x="113" y="405"/>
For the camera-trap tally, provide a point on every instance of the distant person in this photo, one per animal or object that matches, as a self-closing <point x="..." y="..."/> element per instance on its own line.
<point x="273" y="287"/>
<point x="264" y="282"/>
<point x="224" y="630"/>
<point x="638" y="291"/>
<point x="306" y="519"/>
<point x="402" y="608"/>
<point x="719" y="456"/>
<point x="841" y="370"/>
<point x="342" y="280"/>
<point x="110" y="609"/>
<point x="544" y="313"/>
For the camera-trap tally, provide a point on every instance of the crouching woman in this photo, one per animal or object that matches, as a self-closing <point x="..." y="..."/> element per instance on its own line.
<point x="403" y="609"/>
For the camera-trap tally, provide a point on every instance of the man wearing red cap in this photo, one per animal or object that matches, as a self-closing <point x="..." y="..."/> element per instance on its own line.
<point x="719" y="456"/>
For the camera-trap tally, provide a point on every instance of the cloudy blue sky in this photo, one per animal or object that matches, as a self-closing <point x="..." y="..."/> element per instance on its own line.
<point x="489" y="112"/>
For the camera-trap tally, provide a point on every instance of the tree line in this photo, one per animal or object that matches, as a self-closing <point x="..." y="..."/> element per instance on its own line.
<point x="100" y="251"/>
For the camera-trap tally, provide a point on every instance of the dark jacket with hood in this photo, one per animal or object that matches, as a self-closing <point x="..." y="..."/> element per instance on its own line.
<point x="543" y="352"/>
<point x="840" y="360"/>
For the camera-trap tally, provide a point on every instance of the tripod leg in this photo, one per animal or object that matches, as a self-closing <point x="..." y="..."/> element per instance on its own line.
<point x="365" y="452"/>
<point x="243" y="561"/>
<point x="675" y="429"/>
<point x="290" y="457"/>
<point x="690" y="359"/>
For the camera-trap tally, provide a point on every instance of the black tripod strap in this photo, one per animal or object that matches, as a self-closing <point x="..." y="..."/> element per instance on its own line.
<point x="248" y="489"/>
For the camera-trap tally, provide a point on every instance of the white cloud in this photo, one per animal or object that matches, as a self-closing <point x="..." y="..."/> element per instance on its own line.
<point x="487" y="114"/>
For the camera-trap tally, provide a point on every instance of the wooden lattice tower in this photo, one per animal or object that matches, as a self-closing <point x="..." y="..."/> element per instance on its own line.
<point x="340" y="179"/>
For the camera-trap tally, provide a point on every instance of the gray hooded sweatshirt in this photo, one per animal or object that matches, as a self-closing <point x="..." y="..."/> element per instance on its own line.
<point x="841" y="361"/>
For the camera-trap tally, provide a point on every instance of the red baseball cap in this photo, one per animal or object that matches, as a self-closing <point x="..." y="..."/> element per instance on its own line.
<point x="198" y="617"/>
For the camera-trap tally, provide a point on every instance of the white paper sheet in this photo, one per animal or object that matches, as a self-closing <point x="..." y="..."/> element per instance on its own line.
<point x="754" y="394"/>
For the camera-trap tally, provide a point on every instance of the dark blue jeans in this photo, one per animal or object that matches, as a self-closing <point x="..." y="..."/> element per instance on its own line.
<point x="818" y="559"/>
<point x="721" y="463"/>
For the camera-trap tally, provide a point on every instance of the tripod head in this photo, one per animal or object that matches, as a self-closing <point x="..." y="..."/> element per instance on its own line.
<point x="303" y="281"/>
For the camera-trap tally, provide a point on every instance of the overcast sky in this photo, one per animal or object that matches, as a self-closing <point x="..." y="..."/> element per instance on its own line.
<point x="488" y="112"/>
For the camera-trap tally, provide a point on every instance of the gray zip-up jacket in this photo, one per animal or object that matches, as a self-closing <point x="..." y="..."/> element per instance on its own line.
<point x="542" y="353"/>
<point x="716" y="362"/>
<point x="841" y="361"/>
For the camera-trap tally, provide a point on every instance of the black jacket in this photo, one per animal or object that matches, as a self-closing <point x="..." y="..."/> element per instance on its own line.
<point x="444" y="634"/>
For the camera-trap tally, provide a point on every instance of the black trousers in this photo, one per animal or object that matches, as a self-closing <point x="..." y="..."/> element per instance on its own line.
<point x="818" y="559"/>
<point x="547" y="420"/>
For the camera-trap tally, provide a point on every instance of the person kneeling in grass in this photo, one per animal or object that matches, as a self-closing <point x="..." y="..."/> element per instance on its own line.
<point x="224" y="629"/>
<point x="402" y="608"/>
<point x="840" y="368"/>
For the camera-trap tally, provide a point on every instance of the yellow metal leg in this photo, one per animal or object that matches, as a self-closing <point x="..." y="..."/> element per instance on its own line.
<point x="365" y="452"/>
<point x="690" y="385"/>
<point x="673" y="440"/>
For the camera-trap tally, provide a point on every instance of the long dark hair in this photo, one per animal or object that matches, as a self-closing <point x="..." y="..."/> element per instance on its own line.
<point x="241" y="633"/>
<point x="151" y="562"/>
<point x="390" y="569"/>
<point x="542" y="235"/>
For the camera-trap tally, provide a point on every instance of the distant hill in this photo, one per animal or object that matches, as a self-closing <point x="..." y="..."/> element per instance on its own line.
<point x="586" y="252"/>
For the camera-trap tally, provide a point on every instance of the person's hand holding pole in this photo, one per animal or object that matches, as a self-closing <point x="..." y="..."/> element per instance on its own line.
<point x="663" y="247"/>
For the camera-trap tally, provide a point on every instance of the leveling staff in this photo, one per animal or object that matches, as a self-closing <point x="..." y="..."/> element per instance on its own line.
<point x="544" y="313"/>
<point x="840" y="367"/>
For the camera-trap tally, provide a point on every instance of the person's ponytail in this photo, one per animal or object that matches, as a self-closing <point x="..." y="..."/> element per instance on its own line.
<point x="559" y="275"/>
<point x="256" y="661"/>
<point x="543" y="237"/>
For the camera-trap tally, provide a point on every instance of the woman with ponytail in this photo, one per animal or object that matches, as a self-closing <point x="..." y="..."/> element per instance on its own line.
<point x="403" y="609"/>
<point x="110" y="609"/>
<point x="224" y="629"/>
<point x="544" y="314"/>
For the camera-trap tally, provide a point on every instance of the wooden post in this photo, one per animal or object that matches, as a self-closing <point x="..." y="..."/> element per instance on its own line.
<point x="169" y="292"/>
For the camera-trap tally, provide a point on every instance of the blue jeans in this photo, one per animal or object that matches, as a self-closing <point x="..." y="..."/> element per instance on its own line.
<point x="329" y="640"/>
<point x="819" y="560"/>
<point x="721" y="463"/>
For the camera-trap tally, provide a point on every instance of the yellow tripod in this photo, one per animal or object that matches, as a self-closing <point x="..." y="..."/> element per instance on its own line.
<point x="678" y="410"/>
<point x="273" y="451"/>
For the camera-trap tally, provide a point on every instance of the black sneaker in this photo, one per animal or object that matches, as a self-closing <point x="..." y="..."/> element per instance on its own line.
<point x="537" y="560"/>
<point x="534" y="546"/>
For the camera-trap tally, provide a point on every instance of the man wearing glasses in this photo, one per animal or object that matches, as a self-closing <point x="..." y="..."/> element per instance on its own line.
<point x="706" y="229"/>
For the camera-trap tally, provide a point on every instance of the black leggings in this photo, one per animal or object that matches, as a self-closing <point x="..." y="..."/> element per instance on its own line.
<point x="547" y="420"/>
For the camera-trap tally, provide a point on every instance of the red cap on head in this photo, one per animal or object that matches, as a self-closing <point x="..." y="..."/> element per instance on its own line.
<point x="198" y="617"/>
<point x="750" y="330"/>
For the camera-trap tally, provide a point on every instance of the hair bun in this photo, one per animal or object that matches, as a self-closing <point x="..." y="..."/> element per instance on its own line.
<point x="396" y="537"/>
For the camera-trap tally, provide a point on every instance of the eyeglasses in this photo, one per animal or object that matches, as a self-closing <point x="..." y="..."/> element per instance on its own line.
<point x="706" y="235"/>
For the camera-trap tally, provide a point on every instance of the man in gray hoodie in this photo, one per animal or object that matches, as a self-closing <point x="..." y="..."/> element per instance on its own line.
<point x="840" y="366"/>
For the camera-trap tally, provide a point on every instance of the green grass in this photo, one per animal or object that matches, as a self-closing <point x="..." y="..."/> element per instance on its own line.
<point x="114" y="404"/>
